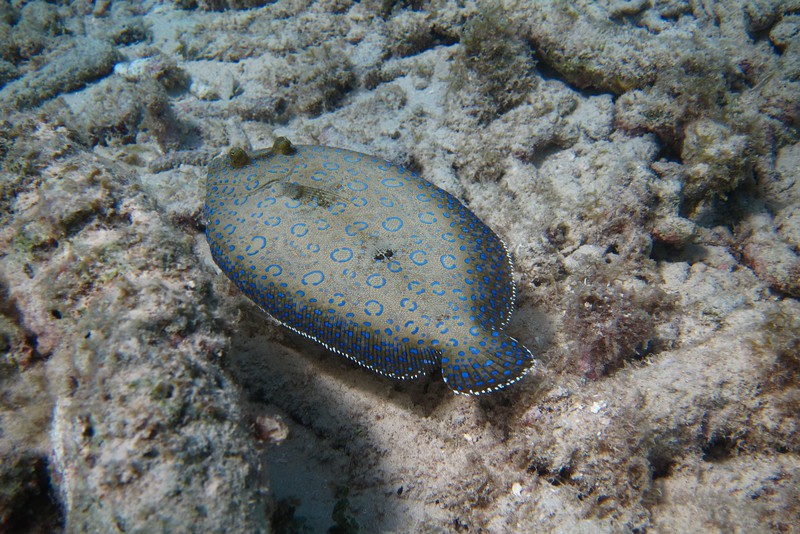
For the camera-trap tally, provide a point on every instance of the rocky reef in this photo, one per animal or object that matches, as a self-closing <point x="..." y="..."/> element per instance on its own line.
<point x="641" y="161"/>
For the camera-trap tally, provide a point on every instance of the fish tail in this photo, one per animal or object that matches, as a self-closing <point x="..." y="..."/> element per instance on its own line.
<point x="494" y="362"/>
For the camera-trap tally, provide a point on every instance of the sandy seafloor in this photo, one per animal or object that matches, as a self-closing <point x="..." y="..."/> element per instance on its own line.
<point x="640" y="159"/>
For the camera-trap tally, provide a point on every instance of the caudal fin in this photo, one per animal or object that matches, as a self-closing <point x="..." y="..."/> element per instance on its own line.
<point x="497" y="361"/>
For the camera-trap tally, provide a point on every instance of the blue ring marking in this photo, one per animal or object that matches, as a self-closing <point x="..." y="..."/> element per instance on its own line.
<point x="448" y="261"/>
<point x="354" y="228"/>
<point x="437" y="292"/>
<point x="351" y="158"/>
<point x="388" y="202"/>
<point x="277" y="268"/>
<point x="269" y="201"/>
<point x="474" y="331"/>
<point x="292" y="204"/>
<point x="230" y="227"/>
<point x="259" y="249"/>
<point x="241" y="201"/>
<point x="313" y="247"/>
<point x="357" y="185"/>
<point x="342" y="255"/>
<point x="393" y="226"/>
<point x="408" y="303"/>
<point x="422" y="197"/>
<point x="418" y="261"/>
<point x="319" y="176"/>
<point x="391" y="182"/>
<point x="427" y="217"/>
<point x="449" y="237"/>
<point x="394" y="266"/>
<point x="330" y="166"/>
<point x="322" y="224"/>
<point x="340" y="296"/>
<point x="359" y="202"/>
<point x="376" y="281"/>
<point x="253" y="178"/>
<point x="299" y="229"/>
<point x="373" y="304"/>
<point x="340" y="206"/>
<point x="314" y="278"/>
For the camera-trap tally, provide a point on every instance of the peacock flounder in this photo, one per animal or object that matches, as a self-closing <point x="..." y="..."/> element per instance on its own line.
<point x="368" y="259"/>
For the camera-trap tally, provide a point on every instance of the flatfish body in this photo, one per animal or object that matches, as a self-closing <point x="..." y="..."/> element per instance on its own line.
<point x="369" y="259"/>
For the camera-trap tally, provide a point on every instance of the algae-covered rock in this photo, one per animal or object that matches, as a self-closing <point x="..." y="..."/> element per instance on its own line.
<point x="715" y="161"/>
<point x="126" y="353"/>
<point x="494" y="67"/>
<point x="71" y="67"/>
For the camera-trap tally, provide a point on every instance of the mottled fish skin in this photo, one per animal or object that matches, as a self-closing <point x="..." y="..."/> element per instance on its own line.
<point x="369" y="259"/>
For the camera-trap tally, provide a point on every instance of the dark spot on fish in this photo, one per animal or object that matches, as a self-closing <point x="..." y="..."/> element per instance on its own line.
<point x="384" y="254"/>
